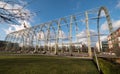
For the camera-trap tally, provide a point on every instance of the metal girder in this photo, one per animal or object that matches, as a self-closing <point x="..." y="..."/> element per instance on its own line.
<point x="88" y="35"/>
<point x="31" y="36"/>
<point x="108" y="21"/>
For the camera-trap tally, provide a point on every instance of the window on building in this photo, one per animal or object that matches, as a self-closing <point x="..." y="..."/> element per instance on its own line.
<point x="117" y="33"/>
<point x="119" y="44"/>
<point x="118" y="38"/>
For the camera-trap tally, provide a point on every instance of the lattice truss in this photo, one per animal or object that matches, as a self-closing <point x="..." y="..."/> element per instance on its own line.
<point x="60" y="35"/>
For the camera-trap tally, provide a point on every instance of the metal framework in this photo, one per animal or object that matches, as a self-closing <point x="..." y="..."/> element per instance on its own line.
<point x="57" y="36"/>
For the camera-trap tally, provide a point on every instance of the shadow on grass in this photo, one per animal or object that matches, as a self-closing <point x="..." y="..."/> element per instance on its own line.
<point x="45" y="65"/>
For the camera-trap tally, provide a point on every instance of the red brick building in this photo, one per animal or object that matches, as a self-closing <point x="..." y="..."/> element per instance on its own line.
<point x="114" y="39"/>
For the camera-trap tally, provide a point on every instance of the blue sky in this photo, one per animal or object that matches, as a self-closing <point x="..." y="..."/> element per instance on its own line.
<point x="51" y="9"/>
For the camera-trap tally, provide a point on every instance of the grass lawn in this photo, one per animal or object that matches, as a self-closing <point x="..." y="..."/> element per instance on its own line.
<point x="30" y="64"/>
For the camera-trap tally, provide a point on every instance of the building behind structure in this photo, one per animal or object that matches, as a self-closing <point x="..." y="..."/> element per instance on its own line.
<point x="2" y="45"/>
<point x="103" y="46"/>
<point x="114" y="39"/>
<point x="114" y="42"/>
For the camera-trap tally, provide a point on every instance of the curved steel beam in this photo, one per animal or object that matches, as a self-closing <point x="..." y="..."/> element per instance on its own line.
<point x="107" y="18"/>
<point x="108" y="21"/>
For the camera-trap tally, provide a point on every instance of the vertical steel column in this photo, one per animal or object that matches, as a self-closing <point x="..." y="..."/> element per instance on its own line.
<point x="70" y="34"/>
<point x="62" y="45"/>
<point x="25" y="40"/>
<point x="100" y="48"/>
<point x="57" y="38"/>
<point x="88" y="35"/>
<point x="48" y="36"/>
<point x="76" y="29"/>
<point x="23" y="48"/>
<point x="13" y="41"/>
<point x="77" y="39"/>
<point x="29" y="39"/>
<point x="45" y="42"/>
<point x="10" y="41"/>
<point x="35" y="39"/>
<point x="7" y="39"/>
<point x="18" y="41"/>
<point x="41" y="40"/>
<point x="35" y="36"/>
<point x="21" y="39"/>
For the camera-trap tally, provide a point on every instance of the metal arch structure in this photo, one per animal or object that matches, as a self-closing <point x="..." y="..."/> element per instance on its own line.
<point x="107" y="17"/>
<point x="108" y="21"/>
<point x="60" y="36"/>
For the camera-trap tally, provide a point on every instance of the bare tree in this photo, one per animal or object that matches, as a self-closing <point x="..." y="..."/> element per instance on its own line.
<point x="13" y="11"/>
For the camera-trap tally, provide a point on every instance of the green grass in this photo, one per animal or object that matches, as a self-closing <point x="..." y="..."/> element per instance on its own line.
<point x="108" y="67"/>
<point x="45" y="65"/>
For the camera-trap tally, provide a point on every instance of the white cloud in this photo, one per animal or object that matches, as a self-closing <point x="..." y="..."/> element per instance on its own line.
<point x="41" y="35"/>
<point x="17" y="10"/>
<point x="103" y="38"/>
<point x="104" y="26"/>
<point x="102" y="13"/>
<point x="9" y="30"/>
<point x="62" y="34"/>
<point x="83" y="34"/>
<point x="115" y="24"/>
<point x="82" y="37"/>
<point x="13" y="27"/>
